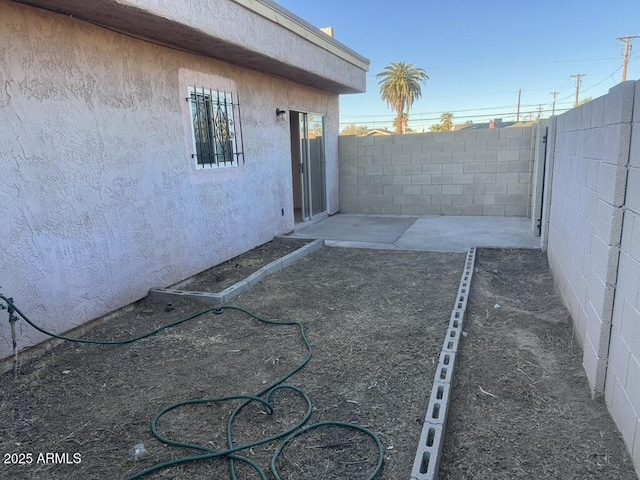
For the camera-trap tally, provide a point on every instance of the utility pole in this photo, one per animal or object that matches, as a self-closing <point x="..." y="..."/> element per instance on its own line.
<point x="578" y="78"/>
<point x="627" y="53"/>
<point x="553" y="107"/>
<point x="539" y="111"/>
<point x="519" y="98"/>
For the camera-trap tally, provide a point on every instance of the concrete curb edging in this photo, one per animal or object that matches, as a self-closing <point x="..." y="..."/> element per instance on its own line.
<point x="163" y="295"/>
<point x="427" y="460"/>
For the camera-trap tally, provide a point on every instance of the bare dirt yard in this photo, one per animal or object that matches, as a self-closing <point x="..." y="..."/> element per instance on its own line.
<point x="375" y="319"/>
<point x="232" y="271"/>
<point x="521" y="406"/>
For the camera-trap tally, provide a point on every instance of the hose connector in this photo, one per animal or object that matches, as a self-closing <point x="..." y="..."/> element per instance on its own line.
<point x="5" y="305"/>
<point x="13" y="318"/>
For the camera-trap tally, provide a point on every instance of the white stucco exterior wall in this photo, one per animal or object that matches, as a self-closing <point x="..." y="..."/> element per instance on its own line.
<point x="256" y="34"/>
<point x="260" y="34"/>
<point x="101" y="199"/>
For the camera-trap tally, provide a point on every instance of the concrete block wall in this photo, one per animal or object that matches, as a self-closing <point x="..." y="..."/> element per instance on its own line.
<point x="622" y="386"/>
<point x="593" y="243"/>
<point x="471" y="172"/>
<point x="589" y="173"/>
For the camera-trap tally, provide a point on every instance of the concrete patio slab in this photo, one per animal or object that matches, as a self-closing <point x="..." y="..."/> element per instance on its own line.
<point x="429" y="233"/>
<point x="458" y="234"/>
<point x="368" y="229"/>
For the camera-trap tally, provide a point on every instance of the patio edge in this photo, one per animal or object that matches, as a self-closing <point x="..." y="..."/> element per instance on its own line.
<point x="162" y="295"/>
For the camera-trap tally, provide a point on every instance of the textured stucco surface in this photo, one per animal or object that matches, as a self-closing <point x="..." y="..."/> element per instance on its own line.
<point x="255" y="33"/>
<point x="232" y="30"/>
<point x="101" y="199"/>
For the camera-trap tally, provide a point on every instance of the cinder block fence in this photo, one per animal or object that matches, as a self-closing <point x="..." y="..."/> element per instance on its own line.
<point x="582" y="187"/>
<point x="593" y="211"/>
<point x="471" y="172"/>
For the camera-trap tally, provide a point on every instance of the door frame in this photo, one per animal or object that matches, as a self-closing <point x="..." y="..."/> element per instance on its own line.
<point x="302" y="171"/>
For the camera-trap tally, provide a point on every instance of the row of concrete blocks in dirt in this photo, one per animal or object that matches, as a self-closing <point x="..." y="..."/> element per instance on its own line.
<point x="426" y="463"/>
<point x="216" y="299"/>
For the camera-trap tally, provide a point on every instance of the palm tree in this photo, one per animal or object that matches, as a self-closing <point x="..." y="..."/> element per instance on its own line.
<point x="404" y="119"/>
<point x="447" y="121"/>
<point x="446" y="125"/>
<point x="400" y="87"/>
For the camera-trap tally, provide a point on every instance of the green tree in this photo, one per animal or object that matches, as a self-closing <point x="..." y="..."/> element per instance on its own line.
<point x="354" y="129"/>
<point x="404" y="123"/>
<point x="445" y="125"/>
<point x="400" y="87"/>
<point x="584" y="100"/>
<point x="447" y="121"/>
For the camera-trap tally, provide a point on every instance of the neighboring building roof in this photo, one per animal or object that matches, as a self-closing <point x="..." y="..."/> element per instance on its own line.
<point x="523" y="124"/>
<point x="497" y="123"/>
<point x="377" y="132"/>
<point x="256" y="34"/>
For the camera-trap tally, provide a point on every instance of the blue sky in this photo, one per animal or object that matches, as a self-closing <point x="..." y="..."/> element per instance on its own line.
<point x="479" y="53"/>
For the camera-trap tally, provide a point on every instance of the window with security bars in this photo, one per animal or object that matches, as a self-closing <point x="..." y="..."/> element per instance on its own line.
<point x="217" y="132"/>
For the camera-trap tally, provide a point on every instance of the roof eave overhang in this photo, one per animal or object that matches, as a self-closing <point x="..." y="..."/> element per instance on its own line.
<point x="131" y="17"/>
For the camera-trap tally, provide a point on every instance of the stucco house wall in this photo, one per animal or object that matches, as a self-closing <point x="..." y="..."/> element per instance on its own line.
<point x="101" y="198"/>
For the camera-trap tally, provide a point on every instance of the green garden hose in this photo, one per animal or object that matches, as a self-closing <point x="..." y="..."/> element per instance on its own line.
<point x="264" y="398"/>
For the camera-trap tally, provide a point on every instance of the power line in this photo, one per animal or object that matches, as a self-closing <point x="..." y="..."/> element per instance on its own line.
<point x="531" y="114"/>
<point x="393" y="116"/>
<point x="605" y="79"/>
<point x="420" y="115"/>
<point x="554" y="99"/>
<point x="556" y="104"/>
<point x="559" y="89"/>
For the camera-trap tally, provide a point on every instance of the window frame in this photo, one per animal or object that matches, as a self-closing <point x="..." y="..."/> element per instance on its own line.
<point x="223" y="104"/>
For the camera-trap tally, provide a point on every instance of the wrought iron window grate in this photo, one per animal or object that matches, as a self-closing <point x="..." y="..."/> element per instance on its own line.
<point x="217" y="129"/>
